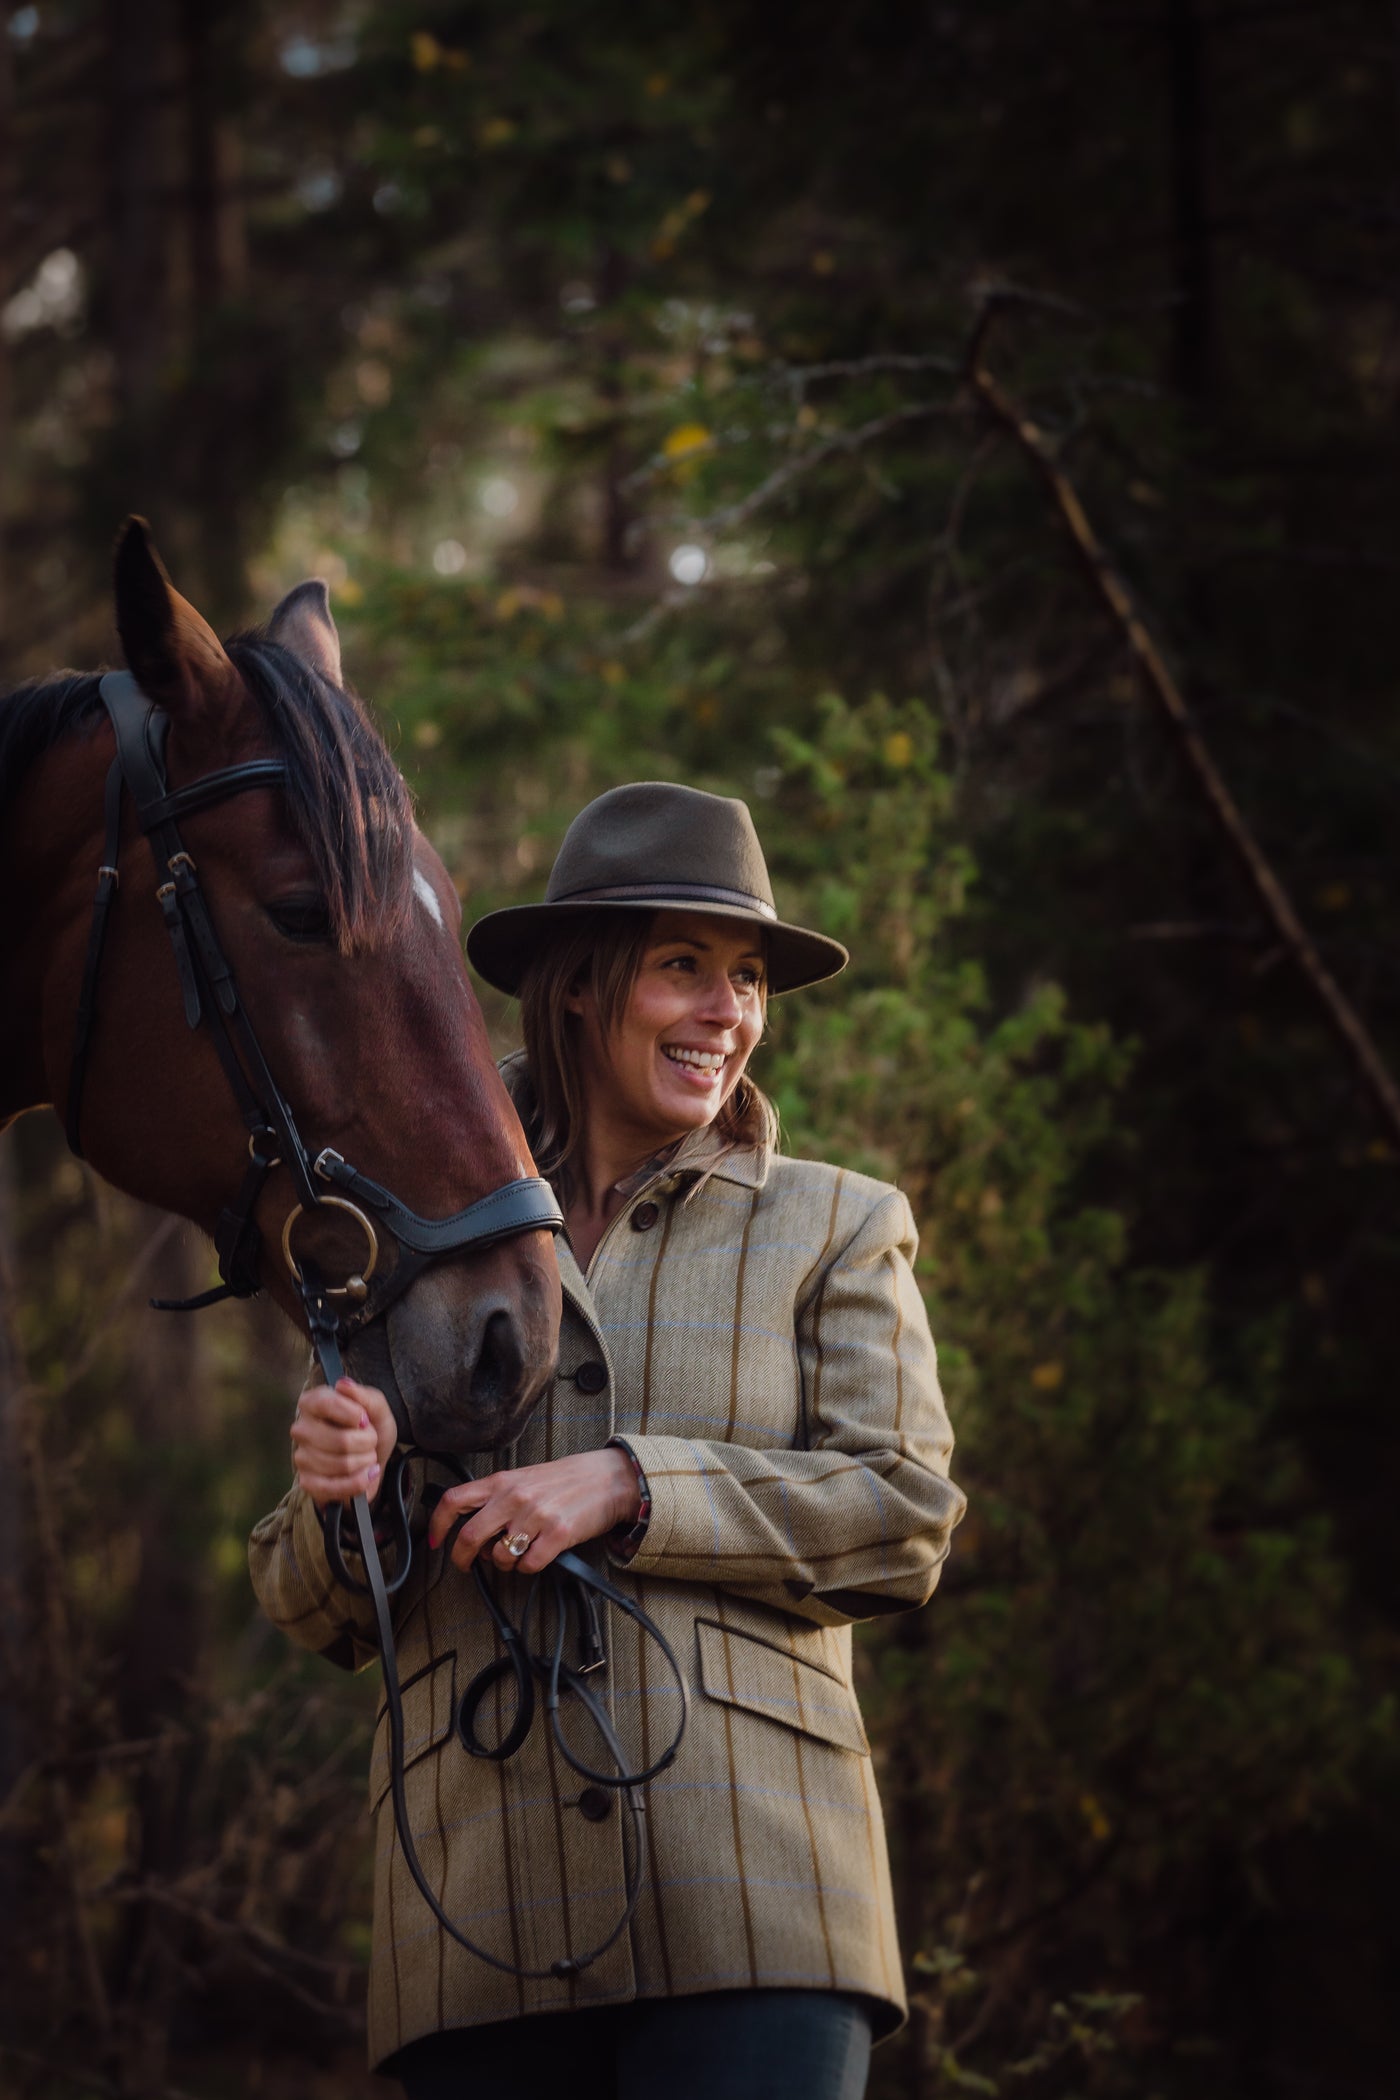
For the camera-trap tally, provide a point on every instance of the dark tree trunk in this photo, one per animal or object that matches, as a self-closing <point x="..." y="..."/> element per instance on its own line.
<point x="14" y="1535"/>
<point x="141" y="252"/>
<point x="163" y="1655"/>
<point x="1193" y="344"/>
<point x="8" y="188"/>
<point x="214" y="256"/>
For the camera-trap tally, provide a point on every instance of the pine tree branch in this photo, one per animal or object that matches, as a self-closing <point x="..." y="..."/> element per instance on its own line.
<point x="1112" y="593"/>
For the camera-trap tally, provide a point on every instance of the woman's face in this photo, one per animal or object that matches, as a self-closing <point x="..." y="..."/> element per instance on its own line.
<point x="689" y="1028"/>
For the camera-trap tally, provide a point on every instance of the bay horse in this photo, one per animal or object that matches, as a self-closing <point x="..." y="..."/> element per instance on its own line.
<point x="341" y="927"/>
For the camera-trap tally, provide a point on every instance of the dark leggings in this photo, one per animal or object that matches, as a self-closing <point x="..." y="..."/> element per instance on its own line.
<point x="719" y="2045"/>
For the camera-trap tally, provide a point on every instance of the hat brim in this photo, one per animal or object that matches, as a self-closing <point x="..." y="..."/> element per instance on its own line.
<point x="502" y="945"/>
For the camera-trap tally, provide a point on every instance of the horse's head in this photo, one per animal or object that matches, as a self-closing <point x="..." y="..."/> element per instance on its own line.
<point x="341" y="927"/>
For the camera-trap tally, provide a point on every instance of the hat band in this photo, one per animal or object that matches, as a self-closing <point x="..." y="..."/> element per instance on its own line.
<point x="670" y="892"/>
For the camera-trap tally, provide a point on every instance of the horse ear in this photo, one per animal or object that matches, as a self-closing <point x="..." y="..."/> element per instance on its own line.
<point x="173" y="651"/>
<point x="302" y="624"/>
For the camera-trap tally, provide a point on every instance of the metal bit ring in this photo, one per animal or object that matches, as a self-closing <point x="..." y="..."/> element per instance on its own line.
<point x="354" y="1287"/>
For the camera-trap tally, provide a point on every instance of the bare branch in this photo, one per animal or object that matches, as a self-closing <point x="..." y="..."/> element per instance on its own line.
<point x="1112" y="594"/>
<point x="840" y="441"/>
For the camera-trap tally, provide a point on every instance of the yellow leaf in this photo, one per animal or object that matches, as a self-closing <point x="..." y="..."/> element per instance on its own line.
<point x="350" y="592"/>
<point x="427" y="51"/>
<point x="899" y="748"/>
<point x="1094" y="1816"/>
<point x="496" y="131"/>
<point x="427" y="736"/>
<point x="612" y="672"/>
<point x="685" y="439"/>
<point x="807" y="417"/>
<point x="1047" y="1378"/>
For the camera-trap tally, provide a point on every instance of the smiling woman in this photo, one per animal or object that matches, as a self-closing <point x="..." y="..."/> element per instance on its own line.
<point x="746" y="1424"/>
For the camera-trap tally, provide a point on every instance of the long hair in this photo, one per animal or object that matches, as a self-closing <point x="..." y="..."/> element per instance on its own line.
<point x="600" y="953"/>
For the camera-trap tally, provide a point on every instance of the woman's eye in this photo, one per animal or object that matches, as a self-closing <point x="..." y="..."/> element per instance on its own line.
<point x="301" y="919"/>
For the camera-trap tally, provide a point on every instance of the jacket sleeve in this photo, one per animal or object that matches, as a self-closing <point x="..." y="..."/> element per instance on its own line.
<point x="855" y="1522"/>
<point x="297" y="1591"/>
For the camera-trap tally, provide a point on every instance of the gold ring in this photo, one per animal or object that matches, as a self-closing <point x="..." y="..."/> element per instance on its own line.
<point x="356" y="1287"/>
<point x="519" y="1544"/>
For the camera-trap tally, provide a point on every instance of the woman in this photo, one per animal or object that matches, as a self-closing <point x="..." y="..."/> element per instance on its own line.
<point x="746" y="1428"/>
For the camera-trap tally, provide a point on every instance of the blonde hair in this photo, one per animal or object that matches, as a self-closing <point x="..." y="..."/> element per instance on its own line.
<point x="602" y="954"/>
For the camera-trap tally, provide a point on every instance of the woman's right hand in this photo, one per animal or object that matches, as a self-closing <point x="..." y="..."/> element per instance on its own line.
<point x="342" y="1439"/>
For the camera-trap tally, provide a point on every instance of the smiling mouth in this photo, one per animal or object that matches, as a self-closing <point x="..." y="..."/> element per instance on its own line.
<point x="703" y="1064"/>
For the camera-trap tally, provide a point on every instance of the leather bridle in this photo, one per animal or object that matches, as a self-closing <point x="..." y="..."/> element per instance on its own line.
<point x="325" y="1181"/>
<point x="335" y="1311"/>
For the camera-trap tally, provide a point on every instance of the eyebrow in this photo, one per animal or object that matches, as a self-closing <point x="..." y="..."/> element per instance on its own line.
<point x="688" y="940"/>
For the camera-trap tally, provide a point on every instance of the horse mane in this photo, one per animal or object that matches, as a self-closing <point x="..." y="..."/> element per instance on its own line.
<point x="347" y="800"/>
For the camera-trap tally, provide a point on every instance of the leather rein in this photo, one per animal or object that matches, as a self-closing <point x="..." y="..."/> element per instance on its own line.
<point x="336" y="1311"/>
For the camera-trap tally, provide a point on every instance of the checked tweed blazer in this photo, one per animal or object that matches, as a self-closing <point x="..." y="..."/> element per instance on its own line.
<point x="753" y="1331"/>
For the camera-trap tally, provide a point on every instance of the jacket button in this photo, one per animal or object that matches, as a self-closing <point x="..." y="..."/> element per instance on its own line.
<point x="591" y="1377"/>
<point x="644" y="1217"/>
<point x="595" y="1803"/>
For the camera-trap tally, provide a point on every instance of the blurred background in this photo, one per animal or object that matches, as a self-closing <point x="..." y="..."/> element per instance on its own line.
<point x="612" y="364"/>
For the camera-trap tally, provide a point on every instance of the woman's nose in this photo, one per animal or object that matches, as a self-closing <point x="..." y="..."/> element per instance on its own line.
<point x="721" y="1002"/>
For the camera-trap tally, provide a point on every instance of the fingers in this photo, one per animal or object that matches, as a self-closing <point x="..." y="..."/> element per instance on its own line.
<point x="555" y="1505"/>
<point x="381" y="1415"/>
<point x="335" y="1447"/>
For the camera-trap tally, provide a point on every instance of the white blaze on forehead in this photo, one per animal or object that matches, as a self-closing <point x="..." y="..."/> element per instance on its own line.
<point x="427" y="896"/>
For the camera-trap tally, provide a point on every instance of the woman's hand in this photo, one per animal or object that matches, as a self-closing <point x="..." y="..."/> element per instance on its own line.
<point x="342" y="1439"/>
<point x="558" y="1505"/>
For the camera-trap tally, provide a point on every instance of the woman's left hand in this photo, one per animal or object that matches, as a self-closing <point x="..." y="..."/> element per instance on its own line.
<point x="557" y="1505"/>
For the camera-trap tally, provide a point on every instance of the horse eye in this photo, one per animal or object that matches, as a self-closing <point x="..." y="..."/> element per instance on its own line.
<point x="301" y="919"/>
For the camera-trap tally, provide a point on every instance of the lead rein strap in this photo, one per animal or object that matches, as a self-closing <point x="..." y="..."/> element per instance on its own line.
<point x="325" y="1333"/>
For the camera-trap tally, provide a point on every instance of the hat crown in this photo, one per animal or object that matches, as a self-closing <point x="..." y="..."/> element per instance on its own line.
<point x="657" y="836"/>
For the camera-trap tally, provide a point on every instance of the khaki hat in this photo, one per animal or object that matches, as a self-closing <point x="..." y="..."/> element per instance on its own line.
<point x="654" y="846"/>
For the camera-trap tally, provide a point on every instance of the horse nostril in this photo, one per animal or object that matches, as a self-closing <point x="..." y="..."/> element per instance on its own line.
<point x="499" y="1370"/>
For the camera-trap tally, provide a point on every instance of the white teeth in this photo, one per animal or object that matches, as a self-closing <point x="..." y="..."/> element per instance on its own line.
<point x="708" y="1061"/>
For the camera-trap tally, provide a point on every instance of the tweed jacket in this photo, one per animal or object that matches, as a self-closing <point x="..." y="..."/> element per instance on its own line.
<point x="752" y="1329"/>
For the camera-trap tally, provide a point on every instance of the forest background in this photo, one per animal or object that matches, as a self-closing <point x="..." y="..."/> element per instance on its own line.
<point x="623" y="371"/>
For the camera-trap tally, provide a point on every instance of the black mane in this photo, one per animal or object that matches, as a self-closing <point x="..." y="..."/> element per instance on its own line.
<point x="347" y="800"/>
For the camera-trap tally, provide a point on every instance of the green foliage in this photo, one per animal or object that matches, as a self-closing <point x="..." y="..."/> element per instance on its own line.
<point x="1134" y="1665"/>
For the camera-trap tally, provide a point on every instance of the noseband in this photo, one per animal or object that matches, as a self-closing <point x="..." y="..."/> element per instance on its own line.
<point x="323" y="1182"/>
<point x="527" y="1205"/>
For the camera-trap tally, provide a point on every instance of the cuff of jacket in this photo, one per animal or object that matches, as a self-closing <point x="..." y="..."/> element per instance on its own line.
<point x="624" y="1541"/>
<point x="670" y="1467"/>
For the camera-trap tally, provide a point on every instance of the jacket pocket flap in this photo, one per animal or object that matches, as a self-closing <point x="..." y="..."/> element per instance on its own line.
<point x="429" y="1707"/>
<point x="739" y="1670"/>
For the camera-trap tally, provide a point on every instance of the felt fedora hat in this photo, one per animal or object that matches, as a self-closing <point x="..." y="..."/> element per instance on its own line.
<point x="655" y="846"/>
